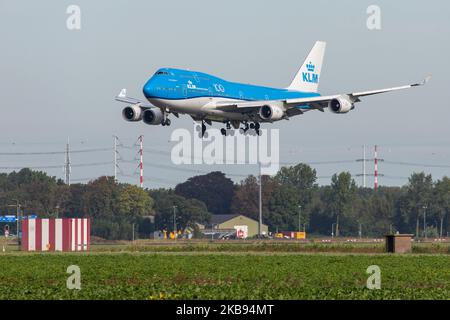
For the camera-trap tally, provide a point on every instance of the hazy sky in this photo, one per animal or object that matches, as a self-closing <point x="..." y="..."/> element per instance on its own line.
<point x="56" y="83"/>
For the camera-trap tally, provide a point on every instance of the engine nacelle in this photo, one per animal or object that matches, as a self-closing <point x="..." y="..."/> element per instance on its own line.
<point x="132" y="113"/>
<point x="342" y="104"/>
<point x="271" y="113"/>
<point x="153" y="116"/>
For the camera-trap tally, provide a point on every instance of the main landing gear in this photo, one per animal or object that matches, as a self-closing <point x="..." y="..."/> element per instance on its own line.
<point x="228" y="131"/>
<point x="252" y="128"/>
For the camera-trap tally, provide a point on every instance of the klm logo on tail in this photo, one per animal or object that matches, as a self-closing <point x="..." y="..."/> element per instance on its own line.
<point x="310" y="76"/>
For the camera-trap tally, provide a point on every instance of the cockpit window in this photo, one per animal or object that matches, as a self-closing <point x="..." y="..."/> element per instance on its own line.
<point x="162" y="73"/>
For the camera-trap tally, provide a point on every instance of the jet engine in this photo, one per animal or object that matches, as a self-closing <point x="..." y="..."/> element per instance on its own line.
<point x="342" y="104"/>
<point x="153" y="116"/>
<point x="271" y="113"/>
<point x="132" y="113"/>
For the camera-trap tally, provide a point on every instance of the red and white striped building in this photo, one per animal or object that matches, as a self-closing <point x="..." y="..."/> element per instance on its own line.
<point x="66" y="234"/>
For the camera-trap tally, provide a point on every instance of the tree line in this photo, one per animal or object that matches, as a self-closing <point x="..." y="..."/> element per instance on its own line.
<point x="291" y="200"/>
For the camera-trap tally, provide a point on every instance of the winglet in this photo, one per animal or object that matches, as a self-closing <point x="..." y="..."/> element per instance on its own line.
<point x="424" y="81"/>
<point x="123" y="93"/>
<point x="427" y="78"/>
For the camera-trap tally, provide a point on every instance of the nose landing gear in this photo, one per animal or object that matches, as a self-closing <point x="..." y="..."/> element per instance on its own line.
<point x="203" y="128"/>
<point x="165" y="121"/>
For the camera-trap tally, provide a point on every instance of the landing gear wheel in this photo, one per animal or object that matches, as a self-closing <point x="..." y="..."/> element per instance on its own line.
<point x="252" y="125"/>
<point x="167" y="122"/>
<point x="257" y="126"/>
<point x="223" y="132"/>
<point x="245" y="128"/>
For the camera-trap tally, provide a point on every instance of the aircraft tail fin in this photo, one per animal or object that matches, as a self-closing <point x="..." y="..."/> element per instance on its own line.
<point x="308" y="76"/>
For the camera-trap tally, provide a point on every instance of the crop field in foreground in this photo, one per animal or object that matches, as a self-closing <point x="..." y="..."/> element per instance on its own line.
<point x="223" y="276"/>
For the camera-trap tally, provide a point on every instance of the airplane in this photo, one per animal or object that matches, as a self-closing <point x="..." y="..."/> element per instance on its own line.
<point x="207" y="98"/>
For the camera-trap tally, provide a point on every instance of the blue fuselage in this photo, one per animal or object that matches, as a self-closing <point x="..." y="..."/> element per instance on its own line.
<point x="176" y="84"/>
<point x="198" y="94"/>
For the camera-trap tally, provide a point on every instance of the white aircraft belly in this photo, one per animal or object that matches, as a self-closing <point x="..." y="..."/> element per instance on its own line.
<point x="193" y="105"/>
<point x="204" y="106"/>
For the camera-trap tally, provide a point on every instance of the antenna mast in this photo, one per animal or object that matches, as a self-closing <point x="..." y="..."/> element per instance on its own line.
<point x="67" y="168"/>
<point x="141" y="162"/>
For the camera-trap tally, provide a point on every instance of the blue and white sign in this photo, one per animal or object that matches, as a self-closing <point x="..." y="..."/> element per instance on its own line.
<point x="10" y="218"/>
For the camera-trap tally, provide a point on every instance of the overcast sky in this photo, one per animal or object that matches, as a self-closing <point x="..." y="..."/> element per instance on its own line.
<point x="57" y="83"/>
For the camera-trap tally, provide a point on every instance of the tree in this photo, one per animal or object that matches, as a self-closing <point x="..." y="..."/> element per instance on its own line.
<point x="100" y="197"/>
<point x="246" y="197"/>
<point x="73" y="204"/>
<point x="303" y="179"/>
<point x="191" y="212"/>
<point x="36" y="191"/>
<point x="187" y="212"/>
<point x="115" y="207"/>
<point x="417" y="195"/>
<point x="377" y="211"/>
<point x="341" y="196"/>
<point x="441" y="200"/>
<point x="134" y="201"/>
<point x="214" y="189"/>
<point x="283" y="209"/>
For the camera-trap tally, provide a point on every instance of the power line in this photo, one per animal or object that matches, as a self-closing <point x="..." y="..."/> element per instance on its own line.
<point x="52" y="152"/>
<point x="395" y="177"/>
<point x="92" y="164"/>
<point x="164" y="181"/>
<point x="84" y="179"/>
<point x="415" y="164"/>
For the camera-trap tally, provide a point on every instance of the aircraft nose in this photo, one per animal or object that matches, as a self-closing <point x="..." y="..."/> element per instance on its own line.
<point x="148" y="89"/>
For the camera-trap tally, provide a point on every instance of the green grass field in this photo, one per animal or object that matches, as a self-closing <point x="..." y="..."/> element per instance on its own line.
<point x="226" y="275"/>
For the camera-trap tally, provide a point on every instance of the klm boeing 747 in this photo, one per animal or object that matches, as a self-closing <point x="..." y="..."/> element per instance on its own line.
<point x="207" y="98"/>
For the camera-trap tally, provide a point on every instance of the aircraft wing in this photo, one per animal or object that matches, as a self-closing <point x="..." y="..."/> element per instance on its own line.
<point x="122" y="97"/>
<point x="372" y="92"/>
<point x="305" y="104"/>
